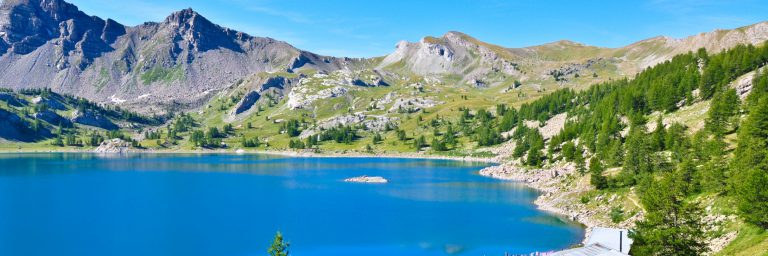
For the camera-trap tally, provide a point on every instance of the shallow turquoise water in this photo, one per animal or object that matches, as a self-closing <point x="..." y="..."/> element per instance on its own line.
<point x="143" y="204"/>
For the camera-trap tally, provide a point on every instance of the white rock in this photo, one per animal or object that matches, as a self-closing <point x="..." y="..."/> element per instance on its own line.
<point x="366" y="179"/>
<point x="113" y="146"/>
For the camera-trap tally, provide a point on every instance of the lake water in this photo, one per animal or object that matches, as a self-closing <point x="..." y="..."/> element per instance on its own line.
<point x="168" y="204"/>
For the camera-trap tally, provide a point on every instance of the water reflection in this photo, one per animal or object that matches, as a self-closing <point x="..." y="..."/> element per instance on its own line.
<point x="217" y="204"/>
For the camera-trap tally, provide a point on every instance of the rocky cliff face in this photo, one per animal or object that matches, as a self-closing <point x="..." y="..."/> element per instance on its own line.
<point x="453" y="53"/>
<point x="152" y="67"/>
<point x="26" y="25"/>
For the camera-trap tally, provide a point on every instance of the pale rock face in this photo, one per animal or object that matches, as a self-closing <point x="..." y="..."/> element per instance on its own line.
<point x="452" y="54"/>
<point x="423" y="57"/>
<point x="113" y="146"/>
<point x="375" y="123"/>
<point x="300" y="98"/>
<point x="413" y="104"/>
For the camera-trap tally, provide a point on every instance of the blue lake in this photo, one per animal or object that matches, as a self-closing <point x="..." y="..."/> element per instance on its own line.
<point x="189" y="204"/>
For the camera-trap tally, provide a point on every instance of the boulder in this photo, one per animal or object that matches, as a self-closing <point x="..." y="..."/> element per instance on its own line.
<point x="113" y="146"/>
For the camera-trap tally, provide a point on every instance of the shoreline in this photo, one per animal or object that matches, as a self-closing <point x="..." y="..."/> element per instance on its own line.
<point x="547" y="182"/>
<point x="285" y="153"/>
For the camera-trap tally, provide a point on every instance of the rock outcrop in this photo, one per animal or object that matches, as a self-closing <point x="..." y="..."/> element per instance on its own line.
<point x="113" y="146"/>
<point x="411" y="105"/>
<point x="368" y="122"/>
<point x="453" y="53"/>
<point x="94" y="119"/>
<point x="302" y="99"/>
<point x="277" y="82"/>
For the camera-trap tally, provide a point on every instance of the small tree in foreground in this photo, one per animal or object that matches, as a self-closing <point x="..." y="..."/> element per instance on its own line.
<point x="279" y="246"/>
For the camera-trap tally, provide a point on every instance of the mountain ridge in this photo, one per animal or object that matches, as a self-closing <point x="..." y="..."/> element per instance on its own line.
<point x="180" y="62"/>
<point x="177" y="61"/>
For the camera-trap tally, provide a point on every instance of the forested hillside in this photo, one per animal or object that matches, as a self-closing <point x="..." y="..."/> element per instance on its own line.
<point x="672" y="167"/>
<point x="40" y="115"/>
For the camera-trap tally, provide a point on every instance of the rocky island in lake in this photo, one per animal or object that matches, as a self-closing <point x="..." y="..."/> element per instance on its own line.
<point x="366" y="179"/>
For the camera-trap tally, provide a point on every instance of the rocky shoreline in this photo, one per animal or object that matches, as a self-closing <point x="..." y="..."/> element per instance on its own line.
<point x="555" y="194"/>
<point x="558" y="187"/>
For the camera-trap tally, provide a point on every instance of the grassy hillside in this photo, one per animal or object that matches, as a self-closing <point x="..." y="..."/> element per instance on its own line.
<point x="39" y="119"/>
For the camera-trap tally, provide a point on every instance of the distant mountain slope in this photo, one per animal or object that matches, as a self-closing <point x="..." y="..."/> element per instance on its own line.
<point x="456" y="53"/>
<point x="179" y="63"/>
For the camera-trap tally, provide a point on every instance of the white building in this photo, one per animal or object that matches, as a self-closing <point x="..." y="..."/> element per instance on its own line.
<point x="602" y="242"/>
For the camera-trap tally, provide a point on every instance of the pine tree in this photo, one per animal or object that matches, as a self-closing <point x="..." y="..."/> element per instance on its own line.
<point x="419" y="142"/>
<point x="671" y="225"/>
<point x="723" y="107"/>
<point x="659" y="136"/>
<point x="637" y="158"/>
<point x="534" y="157"/>
<point x="450" y="136"/>
<point x="377" y="138"/>
<point x="751" y="165"/>
<point x="279" y="247"/>
<point x="578" y="159"/>
<point x="57" y="141"/>
<point x="596" y="177"/>
<point x="569" y="151"/>
<point x="368" y="148"/>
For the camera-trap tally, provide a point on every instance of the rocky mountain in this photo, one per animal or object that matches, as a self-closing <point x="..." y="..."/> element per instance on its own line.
<point x="454" y="53"/>
<point x="153" y="66"/>
<point x="181" y="62"/>
<point x="484" y="64"/>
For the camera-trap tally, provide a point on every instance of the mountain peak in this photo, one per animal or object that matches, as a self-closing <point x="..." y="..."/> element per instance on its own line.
<point x="57" y="9"/>
<point x="183" y="16"/>
<point x="561" y="44"/>
<point x="28" y="24"/>
<point x="454" y="34"/>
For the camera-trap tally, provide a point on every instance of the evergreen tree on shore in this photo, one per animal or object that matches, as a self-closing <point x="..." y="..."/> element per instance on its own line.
<point x="279" y="247"/>
<point x="671" y="226"/>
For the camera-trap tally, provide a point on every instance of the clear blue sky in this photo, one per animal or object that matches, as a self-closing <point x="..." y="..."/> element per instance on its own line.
<point x="365" y="28"/>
